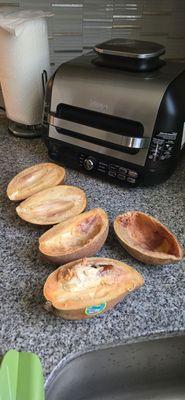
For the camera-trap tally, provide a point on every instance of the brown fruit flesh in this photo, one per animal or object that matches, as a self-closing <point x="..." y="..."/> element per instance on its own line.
<point x="146" y="239"/>
<point x="34" y="179"/>
<point x="89" y="282"/>
<point x="78" y="237"/>
<point x="53" y="205"/>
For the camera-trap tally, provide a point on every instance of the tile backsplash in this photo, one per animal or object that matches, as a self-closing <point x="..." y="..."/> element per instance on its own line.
<point x="77" y="25"/>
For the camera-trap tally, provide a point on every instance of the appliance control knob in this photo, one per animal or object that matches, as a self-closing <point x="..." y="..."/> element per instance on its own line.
<point x="89" y="163"/>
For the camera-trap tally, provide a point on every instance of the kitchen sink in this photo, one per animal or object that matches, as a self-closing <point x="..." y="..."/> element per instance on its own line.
<point x="147" y="369"/>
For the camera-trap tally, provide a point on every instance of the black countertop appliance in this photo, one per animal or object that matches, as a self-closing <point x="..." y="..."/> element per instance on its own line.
<point x="118" y="111"/>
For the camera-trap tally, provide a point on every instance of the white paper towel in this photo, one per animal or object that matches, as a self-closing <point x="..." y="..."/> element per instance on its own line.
<point x="24" y="54"/>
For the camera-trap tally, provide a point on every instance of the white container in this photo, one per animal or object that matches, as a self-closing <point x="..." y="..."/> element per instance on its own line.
<point x="24" y="55"/>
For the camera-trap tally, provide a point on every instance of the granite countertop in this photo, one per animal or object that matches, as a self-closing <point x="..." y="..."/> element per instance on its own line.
<point x="158" y="307"/>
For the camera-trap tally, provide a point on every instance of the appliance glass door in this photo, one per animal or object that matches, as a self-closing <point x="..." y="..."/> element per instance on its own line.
<point x="113" y="136"/>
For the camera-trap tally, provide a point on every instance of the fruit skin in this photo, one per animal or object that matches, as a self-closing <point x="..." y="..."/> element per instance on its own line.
<point x="80" y="313"/>
<point x="88" y="249"/>
<point x="57" y="176"/>
<point x="74" y="205"/>
<point x="155" y="258"/>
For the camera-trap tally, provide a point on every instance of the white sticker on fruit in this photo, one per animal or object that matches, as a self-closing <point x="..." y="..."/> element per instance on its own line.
<point x="183" y="136"/>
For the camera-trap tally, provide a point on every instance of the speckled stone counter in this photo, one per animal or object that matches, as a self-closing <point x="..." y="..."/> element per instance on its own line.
<point x="158" y="307"/>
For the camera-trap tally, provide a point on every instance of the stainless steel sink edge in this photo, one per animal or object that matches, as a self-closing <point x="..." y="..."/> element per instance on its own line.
<point x="141" y="339"/>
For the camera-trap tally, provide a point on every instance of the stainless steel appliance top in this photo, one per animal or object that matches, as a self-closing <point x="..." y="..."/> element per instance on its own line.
<point x="130" y="48"/>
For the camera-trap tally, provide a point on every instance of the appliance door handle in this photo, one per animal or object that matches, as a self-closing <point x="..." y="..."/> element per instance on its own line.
<point x="106" y="136"/>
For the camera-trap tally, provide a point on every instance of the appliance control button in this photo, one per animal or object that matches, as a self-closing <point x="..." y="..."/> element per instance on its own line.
<point x="112" y="173"/>
<point x="123" y="170"/>
<point x="131" y="180"/>
<point x="165" y="156"/>
<point x="89" y="163"/>
<point x="133" y="174"/>
<point x="102" y="167"/>
<point x="82" y="157"/>
<point x="168" y="147"/>
<point x="113" y="167"/>
<point x="121" y="177"/>
<point x="102" y="164"/>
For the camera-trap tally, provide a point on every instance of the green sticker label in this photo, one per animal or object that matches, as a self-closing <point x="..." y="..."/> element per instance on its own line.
<point x="95" y="310"/>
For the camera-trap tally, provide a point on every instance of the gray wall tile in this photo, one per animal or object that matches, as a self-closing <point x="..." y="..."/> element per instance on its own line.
<point x="77" y="25"/>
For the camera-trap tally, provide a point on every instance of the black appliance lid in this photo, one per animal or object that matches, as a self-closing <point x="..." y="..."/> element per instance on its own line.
<point x="130" y="48"/>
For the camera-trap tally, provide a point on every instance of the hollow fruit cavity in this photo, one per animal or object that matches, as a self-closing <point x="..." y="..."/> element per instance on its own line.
<point x="34" y="179"/>
<point x="85" y="233"/>
<point x="148" y="234"/>
<point x="53" y="205"/>
<point x="147" y="239"/>
<point x="90" y="281"/>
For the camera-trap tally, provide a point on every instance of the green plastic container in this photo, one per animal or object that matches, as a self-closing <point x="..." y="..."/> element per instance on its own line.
<point x="21" y="377"/>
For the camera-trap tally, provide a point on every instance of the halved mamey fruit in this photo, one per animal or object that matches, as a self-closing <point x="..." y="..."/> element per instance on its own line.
<point x="52" y="205"/>
<point x="34" y="179"/>
<point x="146" y="239"/>
<point x="90" y="286"/>
<point x="80" y="236"/>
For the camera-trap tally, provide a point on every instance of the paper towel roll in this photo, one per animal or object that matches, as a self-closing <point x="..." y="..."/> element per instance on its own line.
<point x="24" y="55"/>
